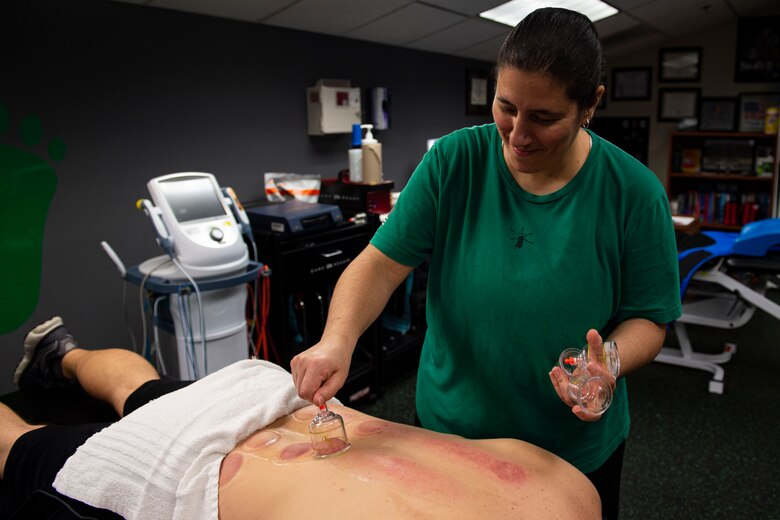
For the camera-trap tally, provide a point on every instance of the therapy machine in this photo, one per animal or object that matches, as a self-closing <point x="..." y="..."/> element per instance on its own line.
<point x="205" y="269"/>
<point x="195" y="225"/>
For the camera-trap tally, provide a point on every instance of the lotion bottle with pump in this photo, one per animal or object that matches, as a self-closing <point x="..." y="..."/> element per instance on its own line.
<point x="356" y="155"/>
<point x="372" y="157"/>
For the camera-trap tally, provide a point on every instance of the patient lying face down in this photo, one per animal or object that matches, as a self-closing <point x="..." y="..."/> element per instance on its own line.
<point x="396" y="471"/>
<point x="236" y="445"/>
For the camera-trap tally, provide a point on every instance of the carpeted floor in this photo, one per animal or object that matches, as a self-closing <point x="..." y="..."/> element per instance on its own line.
<point x="691" y="454"/>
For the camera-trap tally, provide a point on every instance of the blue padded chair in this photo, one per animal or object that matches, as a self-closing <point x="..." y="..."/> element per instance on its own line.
<point x="724" y="277"/>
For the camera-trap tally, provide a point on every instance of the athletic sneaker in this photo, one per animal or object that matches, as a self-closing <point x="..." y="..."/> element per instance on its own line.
<point x="41" y="364"/>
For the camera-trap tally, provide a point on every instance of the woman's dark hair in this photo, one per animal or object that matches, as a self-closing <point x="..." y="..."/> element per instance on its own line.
<point x="560" y="44"/>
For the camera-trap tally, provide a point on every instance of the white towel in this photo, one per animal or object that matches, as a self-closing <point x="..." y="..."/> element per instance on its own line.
<point x="162" y="461"/>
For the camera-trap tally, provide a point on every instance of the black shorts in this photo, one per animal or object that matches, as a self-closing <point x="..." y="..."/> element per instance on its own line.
<point x="37" y="456"/>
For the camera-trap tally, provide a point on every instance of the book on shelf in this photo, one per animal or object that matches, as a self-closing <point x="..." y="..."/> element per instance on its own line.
<point x="749" y="213"/>
<point x="723" y="208"/>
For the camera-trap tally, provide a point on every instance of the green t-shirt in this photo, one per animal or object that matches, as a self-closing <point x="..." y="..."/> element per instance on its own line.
<point x="516" y="278"/>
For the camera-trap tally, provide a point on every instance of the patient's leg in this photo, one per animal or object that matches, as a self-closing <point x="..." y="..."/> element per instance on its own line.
<point x="110" y="375"/>
<point x="11" y="428"/>
<point x="53" y="359"/>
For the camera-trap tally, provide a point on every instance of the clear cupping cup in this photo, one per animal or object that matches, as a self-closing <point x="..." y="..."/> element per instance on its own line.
<point x="328" y="435"/>
<point x="591" y="392"/>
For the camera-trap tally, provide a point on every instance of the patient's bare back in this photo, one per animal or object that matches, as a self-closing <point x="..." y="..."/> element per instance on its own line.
<point x="396" y="471"/>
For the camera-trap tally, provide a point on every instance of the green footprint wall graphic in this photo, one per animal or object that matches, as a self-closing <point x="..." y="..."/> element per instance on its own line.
<point x="27" y="184"/>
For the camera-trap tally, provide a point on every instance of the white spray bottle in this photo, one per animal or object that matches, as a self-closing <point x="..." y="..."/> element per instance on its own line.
<point x="372" y="157"/>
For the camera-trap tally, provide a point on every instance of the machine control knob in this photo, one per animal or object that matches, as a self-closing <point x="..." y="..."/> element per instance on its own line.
<point x="216" y="234"/>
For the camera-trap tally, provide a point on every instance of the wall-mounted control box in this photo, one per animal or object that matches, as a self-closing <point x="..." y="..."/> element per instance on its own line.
<point x="332" y="107"/>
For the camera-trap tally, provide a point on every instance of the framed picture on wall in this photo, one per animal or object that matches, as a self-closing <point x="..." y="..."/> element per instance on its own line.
<point x="752" y="110"/>
<point x="675" y="104"/>
<point x="631" y="134"/>
<point x="758" y="49"/>
<point x="679" y="64"/>
<point x="479" y="95"/>
<point x="718" y="114"/>
<point x="631" y="83"/>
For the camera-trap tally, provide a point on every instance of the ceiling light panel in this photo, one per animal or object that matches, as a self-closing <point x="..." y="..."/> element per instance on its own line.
<point x="469" y="7"/>
<point x="512" y="12"/>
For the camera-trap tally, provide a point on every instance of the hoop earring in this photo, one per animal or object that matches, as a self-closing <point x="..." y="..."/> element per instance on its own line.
<point x="586" y="124"/>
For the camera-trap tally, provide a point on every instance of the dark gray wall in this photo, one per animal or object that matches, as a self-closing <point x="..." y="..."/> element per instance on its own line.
<point x="137" y="92"/>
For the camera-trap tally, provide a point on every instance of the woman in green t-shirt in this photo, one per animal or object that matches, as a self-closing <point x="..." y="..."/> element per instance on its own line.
<point x="541" y="236"/>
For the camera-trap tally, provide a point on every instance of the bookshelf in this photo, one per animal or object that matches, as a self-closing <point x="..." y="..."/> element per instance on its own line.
<point x="724" y="179"/>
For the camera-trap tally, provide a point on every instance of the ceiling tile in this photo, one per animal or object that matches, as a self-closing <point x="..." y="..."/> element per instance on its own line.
<point x="756" y="7"/>
<point x="675" y="17"/>
<point x="635" y="37"/>
<point x="625" y="5"/>
<point x="336" y="17"/>
<point x="485" y="51"/>
<point x="614" y="24"/>
<point x="629" y="47"/>
<point x="457" y="37"/>
<point x="405" y="25"/>
<point x="663" y="8"/>
<point x="246" y="10"/>
<point x="453" y="26"/>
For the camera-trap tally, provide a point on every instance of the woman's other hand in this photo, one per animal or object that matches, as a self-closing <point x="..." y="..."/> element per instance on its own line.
<point x="560" y="379"/>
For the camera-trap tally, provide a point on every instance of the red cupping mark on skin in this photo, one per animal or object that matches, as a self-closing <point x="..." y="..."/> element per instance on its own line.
<point x="503" y="470"/>
<point x="507" y="471"/>
<point x="330" y="446"/>
<point x="230" y="466"/>
<point x="372" y="427"/>
<point x="381" y="468"/>
<point x="416" y="476"/>
<point x="295" y="450"/>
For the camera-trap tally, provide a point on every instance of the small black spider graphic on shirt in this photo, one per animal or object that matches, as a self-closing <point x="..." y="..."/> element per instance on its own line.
<point x="521" y="238"/>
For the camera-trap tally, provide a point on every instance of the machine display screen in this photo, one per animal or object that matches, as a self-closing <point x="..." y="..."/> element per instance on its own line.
<point x="192" y="198"/>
